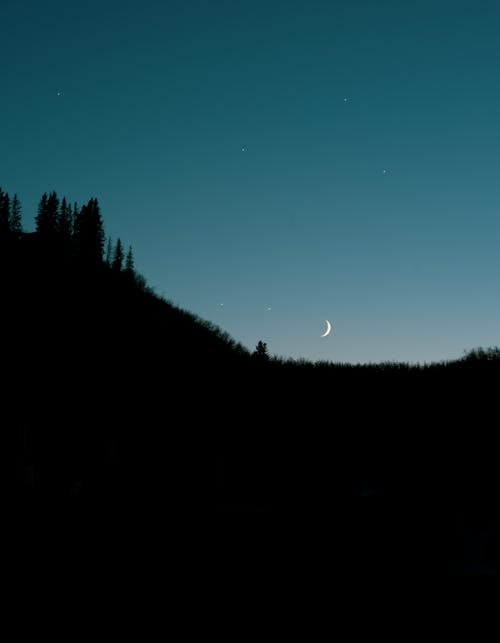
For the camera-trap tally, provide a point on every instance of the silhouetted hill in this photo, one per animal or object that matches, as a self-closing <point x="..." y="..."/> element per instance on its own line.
<point x="115" y="395"/>
<point x="96" y="362"/>
<point x="95" y="357"/>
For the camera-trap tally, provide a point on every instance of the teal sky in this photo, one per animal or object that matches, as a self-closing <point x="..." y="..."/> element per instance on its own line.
<point x="217" y="137"/>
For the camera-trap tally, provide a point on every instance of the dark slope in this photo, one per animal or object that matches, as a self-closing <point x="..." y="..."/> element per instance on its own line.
<point x="107" y="383"/>
<point x="113" y="394"/>
<point x="100" y="368"/>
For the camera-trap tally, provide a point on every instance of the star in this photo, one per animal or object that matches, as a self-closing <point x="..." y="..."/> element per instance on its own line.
<point x="384" y="171"/>
<point x="59" y="93"/>
<point x="269" y="308"/>
<point x="345" y="100"/>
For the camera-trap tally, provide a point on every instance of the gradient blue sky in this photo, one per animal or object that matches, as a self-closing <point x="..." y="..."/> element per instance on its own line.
<point x="217" y="138"/>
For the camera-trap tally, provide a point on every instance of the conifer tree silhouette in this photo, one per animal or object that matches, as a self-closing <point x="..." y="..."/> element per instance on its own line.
<point x="16" y="226"/>
<point x="90" y="232"/>
<point x="261" y="353"/>
<point x="129" y="262"/>
<point x="65" y="221"/>
<point x="4" y="214"/>
<point x="118" y="257"/>
<point x="75" y="218"/>
<point x="109" y="253"/>
<point x="47" y="216"/>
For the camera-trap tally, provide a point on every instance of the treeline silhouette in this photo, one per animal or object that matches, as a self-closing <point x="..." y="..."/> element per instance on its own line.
<point x="111" y="393"/>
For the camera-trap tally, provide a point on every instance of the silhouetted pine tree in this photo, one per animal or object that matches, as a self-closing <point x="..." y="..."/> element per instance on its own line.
<point x="118" y="257"/>
<point x="76" y="217"/>
<point x="16" y="225"/>
<point x="47" y="215"/>
<point x="90" y="232"/>
<point x="129" y="262"/>
<point x="4" y="214"/>
<point x="65" y="221"/>
<point x="261" y="353"/>
<point x="109" y="253"/>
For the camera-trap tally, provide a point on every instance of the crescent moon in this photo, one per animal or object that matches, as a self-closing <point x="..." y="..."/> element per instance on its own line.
<point x="328" y="329"/>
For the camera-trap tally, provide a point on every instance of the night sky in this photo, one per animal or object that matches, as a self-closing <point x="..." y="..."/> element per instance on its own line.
<point x="276" y="163"/>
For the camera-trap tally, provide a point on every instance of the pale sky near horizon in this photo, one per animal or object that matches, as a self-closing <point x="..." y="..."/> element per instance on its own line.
<point x="276" y="163"/>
